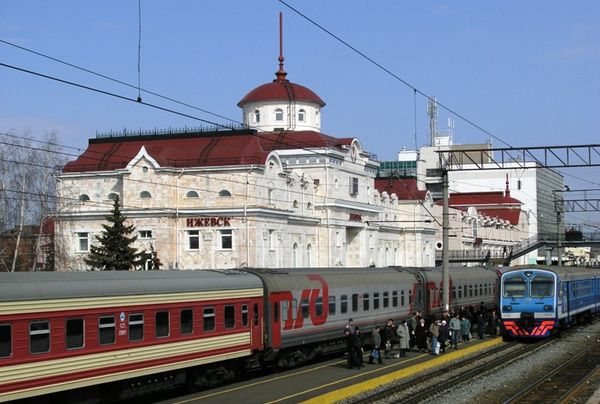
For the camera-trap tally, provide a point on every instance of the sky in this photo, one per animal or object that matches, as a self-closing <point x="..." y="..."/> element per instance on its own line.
<point x="525" y="72"/>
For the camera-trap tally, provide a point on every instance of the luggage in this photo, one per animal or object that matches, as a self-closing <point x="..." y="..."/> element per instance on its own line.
<point x="436" y="350"/>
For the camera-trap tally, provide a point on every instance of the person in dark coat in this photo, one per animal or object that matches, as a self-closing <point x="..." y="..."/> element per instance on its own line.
<point x="357" y="345"/>
<point x="480" y="325"/>
<point x="443" y="337"/>
<point x="376" y="352"/>
<point x="350" y="354"/>
<point x="493" y="321"/>
<point x="389" y="336"/>
<point x="421" y="336"/>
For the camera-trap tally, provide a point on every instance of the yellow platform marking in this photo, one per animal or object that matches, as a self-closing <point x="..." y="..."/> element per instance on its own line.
<point x="350" y="391"/>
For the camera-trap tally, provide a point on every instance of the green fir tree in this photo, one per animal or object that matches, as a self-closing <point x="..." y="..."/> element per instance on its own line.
<point x="155" y="263"/>
<point x="115" y="251"/>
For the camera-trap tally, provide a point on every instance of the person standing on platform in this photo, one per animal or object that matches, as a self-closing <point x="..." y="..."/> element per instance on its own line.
<point x="350" y="326"/>
<point x="403" y="333"/>
<point x="357" y="348"/>
<point x="434" y="332"/>
<point x="389" y="335"/>
<point x="493" y="321"/>
<point x="455" y="331"/>
<point x="421" y="336"/>
<point x="465" y="329"/>
<point x="350" y="349"/>
<point x="443" y="337"/>
<point x="376" y="352"/>
<point x="412" y="326"/>
<point x="480" y="325"/>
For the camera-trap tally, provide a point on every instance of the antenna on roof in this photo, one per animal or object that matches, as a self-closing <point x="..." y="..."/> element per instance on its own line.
<point x="281" y="73"/>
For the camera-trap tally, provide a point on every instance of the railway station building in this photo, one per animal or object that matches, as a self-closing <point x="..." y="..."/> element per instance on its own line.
<point x="276" y="192"/>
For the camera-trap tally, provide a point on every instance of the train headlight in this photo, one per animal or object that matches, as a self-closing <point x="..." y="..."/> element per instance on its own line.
<point x="507" y="308"/>
<point x="548" y="307"/>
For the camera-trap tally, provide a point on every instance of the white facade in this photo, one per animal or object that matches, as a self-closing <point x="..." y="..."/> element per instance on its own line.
<point x="276" y="115"/>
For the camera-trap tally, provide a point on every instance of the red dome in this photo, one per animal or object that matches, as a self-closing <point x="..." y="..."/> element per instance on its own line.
<point x="281" y="90"/>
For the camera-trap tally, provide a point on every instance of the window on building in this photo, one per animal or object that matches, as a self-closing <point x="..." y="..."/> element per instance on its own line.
<point x="226" y="239"/>
<point x="145" y="195"/>
<point x="344" y="304"/>
<point x="229" y="316"/>
<point x="145" y="234"/>
<point x="83" y="242"/>
<point x="301" y="115"/>
<point x="84" y="198"/>
<point x="136" y="327"/>
<point x="191" y="194"/>
<point x="162" y="324"/>
<point x="5" y="340"/>
<point x="308" y="255"/>
<point x="112" y="196"/>
<point x="295" y="204"/>
<point x="317" y="118"/>
<point x="331" y="305"/>
<point x="39" y="337"/>
<point x="272" y="239"/>
<point x="106" y="330"/>
<point x="279" y="114"/>
<point x="224" y="193"/>
<point x="256" y="115"/>
<point x="209" y="318"/>
<point x="353" y="185"/>
<point x="74" y="333"/>
<point x="270" y="195"/>
<point x="295" y="257"/>
<point x="187" y="321"/>
<point x="193" y="239"/>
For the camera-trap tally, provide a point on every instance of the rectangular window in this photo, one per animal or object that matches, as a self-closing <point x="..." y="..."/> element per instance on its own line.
<point x="355" y="302"/>
<point x="376" y="301"/>
<point x="136" y="327"/>
<point x="454" y="292"/>
<point x="209" y="319"/>
<point x="193" y="240"/>
<point x="106" y="330"/>
<point x="365" y="301"/>
<point x="244" y="315"/>
<point x="226" y="239"/>
<point x="272" y="239"/>
<point x="480" y="290"/>
<point x="187" y="321"/>
<point x="229" y="316"/>
<point x="83" y="242"/>
<point x="304" y="303"/>
<point x="344" y="304"/>
<point x="5" y="340"/>
<point x="285" y="306"/>
<point x="319" y="306"/>
<point x="470" y="290"/>
<point x="386" y="300"/>
<point x="145" y="234"/>
<point x="255" y="314"/>
<point x="332" y="305"/>
<point x="74" y="331"/>
<point x="162" y="324"/>
<point x="353" y="185"/>
<point x="401" y="298"/>
<point x="39" y="337"/>
<point x="460" y="291"/>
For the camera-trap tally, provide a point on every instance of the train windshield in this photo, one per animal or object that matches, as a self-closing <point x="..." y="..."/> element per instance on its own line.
<point x="542" y="286"/>
<point x="514" y="286"/>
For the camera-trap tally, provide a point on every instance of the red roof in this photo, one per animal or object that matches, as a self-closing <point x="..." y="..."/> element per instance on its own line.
<point x="492" y="204"/>
<point x="198" y="149"/>
<point x="281" y="90"/>
<point x="404" y="188"/>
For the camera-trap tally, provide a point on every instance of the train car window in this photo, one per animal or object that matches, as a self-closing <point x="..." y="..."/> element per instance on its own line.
<point x="319" y="306"/>
<point x="395" y="298"/>
<point x="244" y="315"/>
<point x="542" y="286"/>
<point x="402" y="301"/>
<point x="229" y="316"/>
<point x="355" y="302"/>
<point x="74" y="330"/>
<point x="480" y="290"/>
<point x="304" y="303"/>
<point x="454" y="292"/>
<point x="470" y="290"/>
<point x="376" y="301"/>
<point x="475" y="294"/>
<point x="365" y="301"/>
<point x="331" y="305"/>
<point x="294" y="308"/>
<point x="136" y="327"/>
<point x="106" y="330"/>
<point x="284" y="310"/>
<point x="186" y="318"/>
<point x="255" y="314"/>
<point x="162" y="324"/>
<point x="39" y="337"/>
<point x="5" y="340"/>
<point x="386" y="300"/>
<point x="514" y="286"/>
<point x="419" y="297"/>
<point x="209" y="317"/>
<point x="344" y="304"/>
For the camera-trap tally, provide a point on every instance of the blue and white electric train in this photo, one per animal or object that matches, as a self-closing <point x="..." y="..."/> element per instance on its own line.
<point x="537" y="301"/>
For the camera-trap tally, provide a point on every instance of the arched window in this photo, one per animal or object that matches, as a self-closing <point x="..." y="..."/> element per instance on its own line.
<point x="192" y="194"/>
<point x="295" y="204"/>
<point x="256" y="116"/>
<point x="279" y="114"/>
<point x="112" y="196"/>
<point x="145" y="194"/>
<point x="387" y="257"/>
<point x="224" y="193"/>
<point x="308" y="255"/>
<point x="84" y="198"/>
<point x="295" y="255"/>
<point x="317" y="118"/>
<point x="301" y="115"/>
<point x="309" y="206"/>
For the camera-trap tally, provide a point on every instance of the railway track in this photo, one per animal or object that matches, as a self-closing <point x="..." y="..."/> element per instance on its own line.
<point x="562" y="383"/>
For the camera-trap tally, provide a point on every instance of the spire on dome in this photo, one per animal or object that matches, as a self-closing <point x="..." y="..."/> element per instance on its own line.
<point x="507" y="191"/>
<point x="281" y="73"/>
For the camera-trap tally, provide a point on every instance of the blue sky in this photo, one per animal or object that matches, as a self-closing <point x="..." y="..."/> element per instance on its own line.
<point x="526" y="71"/>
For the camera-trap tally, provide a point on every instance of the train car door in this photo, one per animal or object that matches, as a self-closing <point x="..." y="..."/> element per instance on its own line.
<point x="274" y="313"/>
